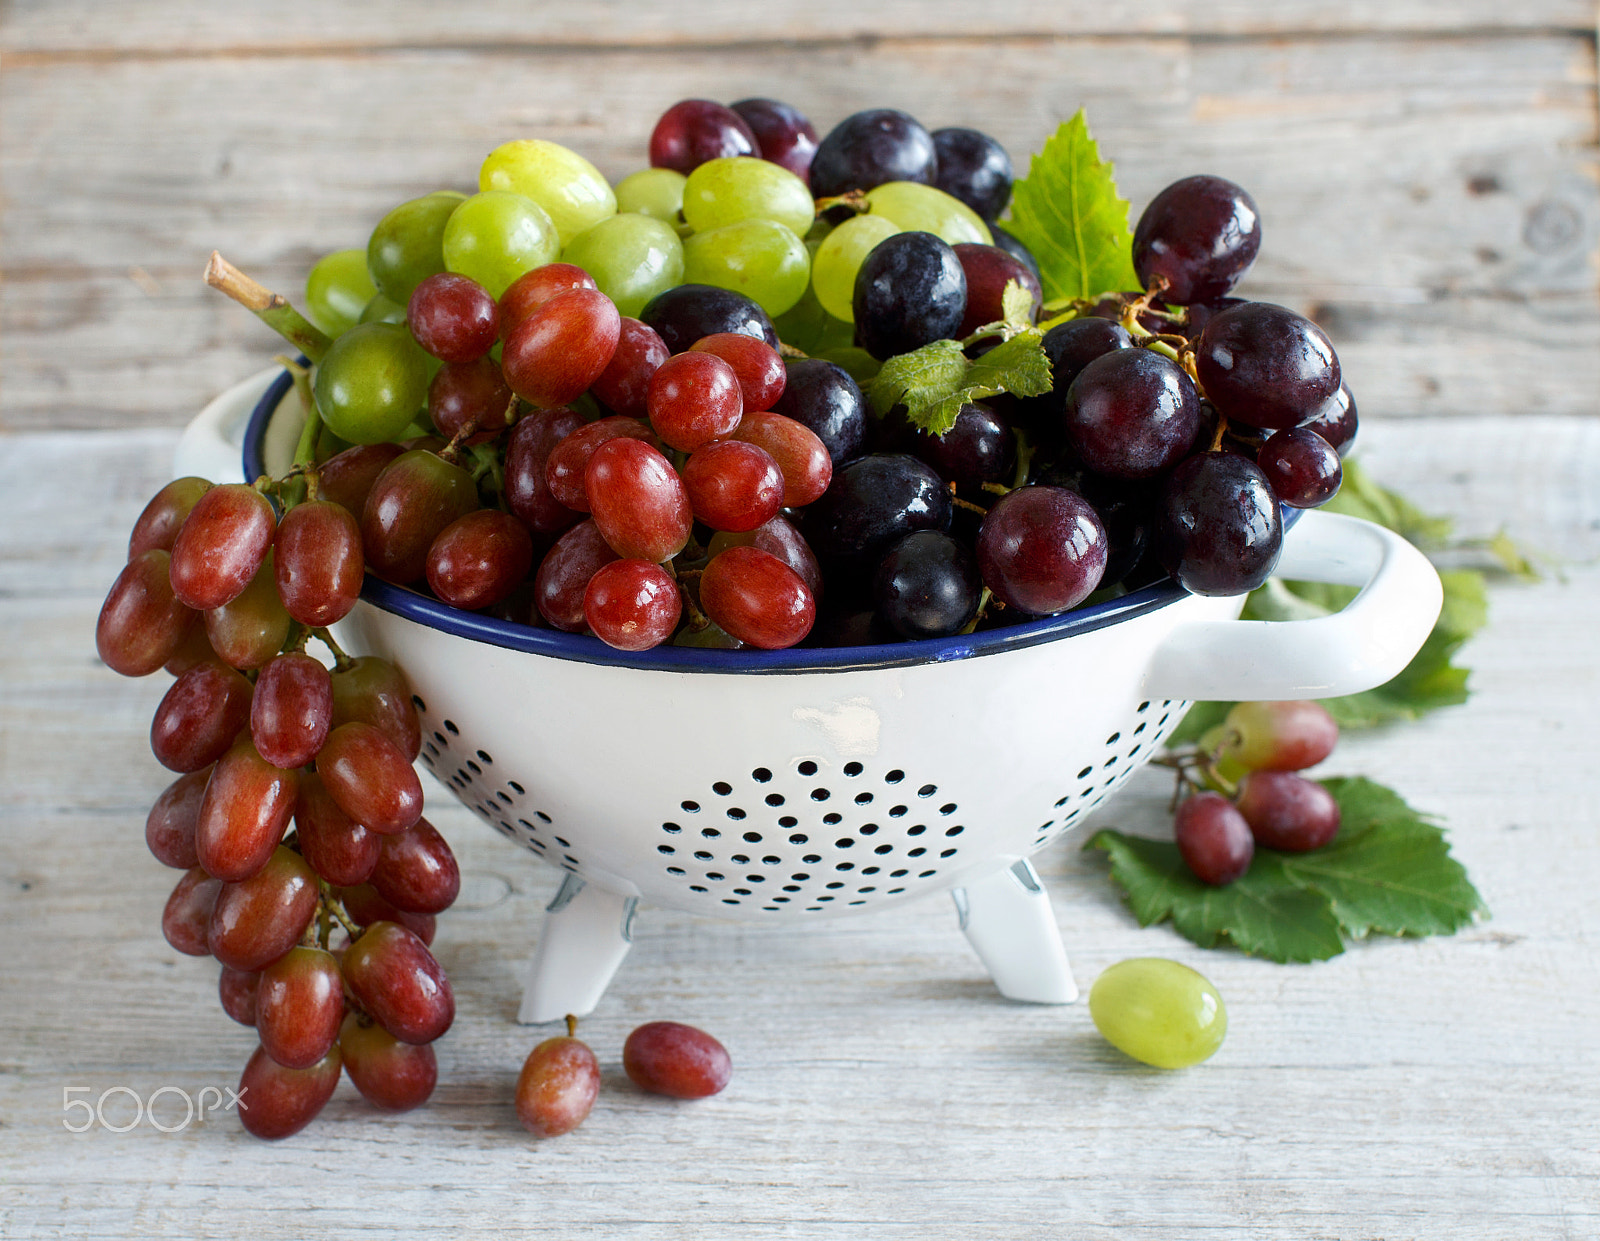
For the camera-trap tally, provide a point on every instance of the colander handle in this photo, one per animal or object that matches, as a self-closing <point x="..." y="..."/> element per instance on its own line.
<point x="1355" y="649"/>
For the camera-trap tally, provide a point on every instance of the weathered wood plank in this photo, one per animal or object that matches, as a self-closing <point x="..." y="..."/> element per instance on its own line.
<point x="77" y="28"/>
<point x="1434" y="200"/>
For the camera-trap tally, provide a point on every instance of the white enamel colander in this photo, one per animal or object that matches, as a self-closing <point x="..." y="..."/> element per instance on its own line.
<point x="809" y="784"/>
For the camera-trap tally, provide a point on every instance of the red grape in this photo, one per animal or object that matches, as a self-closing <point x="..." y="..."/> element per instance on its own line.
<point x="1213" y="838"/>
<point x="164" y="516"/>
<point x="169" y="827"/>
<point x="246" y="807"/>
<point x="1286" y="811"/>
<point x="1302" y="467"/>
<point x="194" y="648"/>
<point x="568" y="459"/>
<point x="258" y="919"/>
<point x="638" y="500"/>
<point x="693" y="399"/>
<point x="346" y="478"/>
<point x="693" y="131"/>
<point x="142" y="623"/>
<point x="335" y="845"/>
<point x="275" y="1102"/>
<point x="453" y="317"/>
<point x="757" y="598"/>
<point x="292" y="710"/>
<point x="474" y="394"/>
<point x="250" y="628"/>
<point x="801" y="455"/>
<point x="557" y="1087"/>
<point x="1196" y="239"/>
<point x="666" y="1057"/>
<point x="369" y="690"/>
<point x="781" y="539"/>
<point x="221" y="545"/>
<point x="200" y="716"/>
<point x="391" y="1075"/>
<point x="632" y="605"/>
<point x="317" y="562"/>
<point x="478" y="560"/>
<point x="417" y="495"/>
<point x="1279" y="736"/>
<point x="624" y="386"/>
<point x="237" y="991"/>
<point x="533" y="289"/>
<point x="988" y="270"/>
<point x="394" y="977"/>
<point x="1042" y="549"/>
<point x="416" y="872"/>
<point x="564" y="573"/>
<point x="733" y="485"/>
<point x="554" y="354"/>
<point x="188" y="912"/>
<point x="370" y="778"/>
<point x="365" y="907"/>
<point x="757" y="366"/>
<point x="528" y="493"/>
<point x="299" y="1006"/>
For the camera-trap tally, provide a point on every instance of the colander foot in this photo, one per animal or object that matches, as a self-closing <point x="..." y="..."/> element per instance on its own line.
<point x="1007" y="918"/>
<point x="587" y="931"/>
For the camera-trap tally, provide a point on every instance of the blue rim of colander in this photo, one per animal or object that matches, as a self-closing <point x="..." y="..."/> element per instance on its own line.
<point x="586" y="648"/>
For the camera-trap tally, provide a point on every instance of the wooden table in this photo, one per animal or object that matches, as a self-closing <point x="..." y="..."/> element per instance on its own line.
<point x="1427" y="176"/>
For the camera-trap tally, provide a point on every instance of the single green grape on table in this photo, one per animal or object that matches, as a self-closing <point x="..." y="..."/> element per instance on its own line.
<point x="1159" y="1012"/>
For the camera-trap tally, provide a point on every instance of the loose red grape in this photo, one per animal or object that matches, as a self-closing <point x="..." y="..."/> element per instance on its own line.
<point x="1286" y="811"/>
<point x="666" y="1057"/>
<point x="693" y="399"/>
<point x="557" y="1087"/>
<point x="757" y="598"/>
<point x="221" y="545"/>
<point x="632" y="605"/>
<point x="1279" y="736"/>
<point x="1213" y="838"/>
<point x="554" y="354"/>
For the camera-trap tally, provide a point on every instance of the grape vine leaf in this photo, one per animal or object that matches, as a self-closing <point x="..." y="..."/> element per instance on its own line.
<point x="935" y="381"/>
<point x="1389" y="870"/>
<point x="1067" y="211"/>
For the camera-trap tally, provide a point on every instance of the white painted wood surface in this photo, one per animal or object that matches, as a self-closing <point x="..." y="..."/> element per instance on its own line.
<point x="1427" y="175"/>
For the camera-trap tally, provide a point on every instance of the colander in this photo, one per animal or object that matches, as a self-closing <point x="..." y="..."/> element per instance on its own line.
<point x="810" y="784"/>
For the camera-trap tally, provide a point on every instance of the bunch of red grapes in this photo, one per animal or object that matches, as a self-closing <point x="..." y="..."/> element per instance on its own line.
<point x="223" y="594"/>
<point x="1255" y="754"/>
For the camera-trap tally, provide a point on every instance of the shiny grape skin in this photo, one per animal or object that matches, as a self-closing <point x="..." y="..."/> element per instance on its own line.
<point x="988" y="270"/>
<point x="1199" y="235"/>
<point x="693" y="131"/>
<point x="365" y="907"/>
<point x="1279" y="736"/>
<point x="236" y="990"/>
<point x="169" y="827"/>
<point x="1302" y="467"/>
<point x="188" y="912"/>
<point x="346" y="478"/>
<point x="142" y="623"/>
<point x="1071" y="346"/>
<point x="694" y="398"/>
<point x="568" y="461"/>
<point x="872" y="502"/>
<point x="533" y="289"/>
<point x="162" y="518"/>
<point x="299" y="1007"/>
<point x="275" y="1102"/>
<point x="453" y="317"/>
<point x="390" y="1075"/>
<point x="632" y="605"/>
<point x="821" y="396"/>
<point x="199" y="717"/>
<point x="756" y="364"/>
<point x="479" y="559"/>
<point x="370" y="690"/>
<point x="1266" y="366"/>
<point x="394" y="977"/>
<point x="1159" y="1012"/>
<point x="1131" y="414"/>
<point x="292" y="710"/>
<point x="333" y="844"/>
<point x="475" y="394"/>
<point x="1042" y="550"/>
<point x="370" y="778"/>
<point x="974" y="168"/>
<point x="257" y="920"/>
<point x="910" y="291"/>
<point x="246" y="807"/>
<point x="416" y="872"/>
<point x="638" y="501"/>
<point x="667" y="1057"/>
<point x="1213" y="838"/>
<point x="553" y="355"/>
<point x="564" y="575"/>
<point x="927" y="586"/>
<point x="527" y="487"/>
<point x="417" y="495"/>
<point x="1286" y="811"/>
<point x="1012" y="246"/>
<point x="1335" y="420"/>
<point x="1218" y="531"/>
<point x="757" y="598"/>
<point x="221" y="545"/>
<point x="781" y="539"/>
<point x="869" y="148"/>
<point x="317" y="562"/>
<point x="979" y="448"/>
<point x="690" y="312"/>
<point x="624" y="386"/>
<point x="784" y="135"/>
<point x="733" y="485"/>
<point x="251" y="627"/>
<point x="557" y="1087"/>
<point x="801" y="456"/>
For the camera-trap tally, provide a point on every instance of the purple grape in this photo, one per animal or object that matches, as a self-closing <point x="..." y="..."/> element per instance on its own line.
<point x="1011" y="245"/>
<point x="1288" y="812"/>
<point x="909" y="292"/>
<point x="988" y="270"/>
<point x="1266" y="366"/>
<point x="1218" y="531"/>
<point x="822" y="396"/>
<point x="870" y="148"/>
<point x="688" y="312"/>
<point x="1070" y="347"/>
<point x="1213" y="838"/>
<point x="870" y="503"/>
<point x="1132" y="414"/>
<point x="693" y="131"/>
<point x="1302" y="467"/>
<point x="1042" y="550"/>
<point x="783" y="133"/>
<point x="1335" y="420"/>
<point x="980" y="448"/>
<point x="927" y="586"/>
<point x="1198" y="236"/>
<point x="974" y="168"/>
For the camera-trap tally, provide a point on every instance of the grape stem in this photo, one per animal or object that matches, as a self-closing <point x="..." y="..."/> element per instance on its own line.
<point x="856" y="200"/>
<point x="269" y="307"/>
<point x="572" y="1026"/>
<point x="341" y="661"/>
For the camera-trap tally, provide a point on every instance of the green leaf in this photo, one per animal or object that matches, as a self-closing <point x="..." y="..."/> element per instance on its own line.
<point x="1263" y="913"/>
<point x="1389" y="869"/>
<point x="1068" y="212"/>
<point x="934" y="382"/>
<point x="1016" y="305"/>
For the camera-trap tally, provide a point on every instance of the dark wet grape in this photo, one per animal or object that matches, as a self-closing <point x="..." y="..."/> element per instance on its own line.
<point x="1197" y="238"/>
<point x="564" y="575"/>
<point x="910" y="291"/>
<point x="1012" y="246"/>
<point x="783" y="134"/>
<point x="1219" y="531"/>
<point x="821" y="396"/>
<point x="1335" y="420"/>
<point x="689" y="312"/>
<point x="528" y="493"/>
<point x="1302" y="467"/>
<point x="927" y="586"/>
<point x="693" y="131"/>
<point x="1042" y="550"/>
<point x="1131" y="414"/>
<point x="872" y="502"/>
<point x="988" y="270"/>
<point x="1266" y="366"/>
<point x="869" y="148"/>
<point x="974" y="168"/>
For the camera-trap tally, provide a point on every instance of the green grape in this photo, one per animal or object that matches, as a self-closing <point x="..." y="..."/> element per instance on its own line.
<point x="371" y="383"/>
<point x="1159" y="1012"/>
<point x="381" y="310"/>
<point x="407" y="246"/>
<point x="840" y="255"/>
<point x="631" y="257"/>
<point x="1215" y="741"/>
<point x="921" y="208"/>
<point x="759" y="258"/>
<point x="561" y="181"/>
<point x="725" y="191"/>
<point x="495" y="236"/>
<point x="338" y="290"/>
<point x="655" y="192"/>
